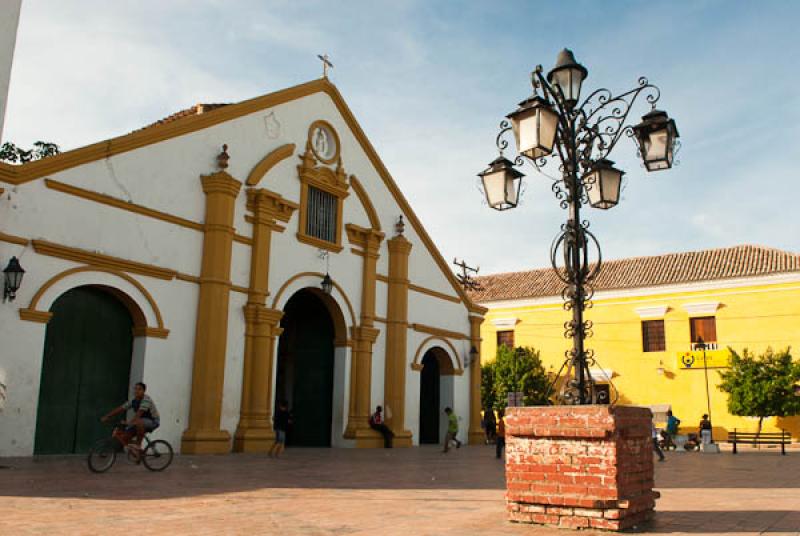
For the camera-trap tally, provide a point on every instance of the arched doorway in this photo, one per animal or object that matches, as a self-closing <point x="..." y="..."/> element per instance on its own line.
<point x="85" y="369"/>
<point x="305" y="372"/>
<point x="435" y="394"/>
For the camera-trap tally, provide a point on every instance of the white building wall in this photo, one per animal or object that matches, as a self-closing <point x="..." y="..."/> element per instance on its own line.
<point x="9" y="20"/>
<point x="166" y="176"/>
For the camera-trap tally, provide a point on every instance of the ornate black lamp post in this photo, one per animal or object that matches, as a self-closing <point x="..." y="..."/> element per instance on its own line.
<point x="551" y="127"/>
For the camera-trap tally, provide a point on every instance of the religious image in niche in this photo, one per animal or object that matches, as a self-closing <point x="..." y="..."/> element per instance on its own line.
<point x="323" y="143"/>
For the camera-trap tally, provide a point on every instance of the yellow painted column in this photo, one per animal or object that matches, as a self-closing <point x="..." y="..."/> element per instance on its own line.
<point x="397" y="339"/>
<point x="262" y="325"/>
<point x="476" y="434"/>
<point x="363" y="337"/>
<point x="204" y="435"/>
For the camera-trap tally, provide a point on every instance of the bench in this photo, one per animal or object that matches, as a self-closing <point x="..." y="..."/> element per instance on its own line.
<point x="781" y="438"/>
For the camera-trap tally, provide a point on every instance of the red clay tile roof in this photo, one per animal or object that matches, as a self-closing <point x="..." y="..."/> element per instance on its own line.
<point x="635" y="272"/>
<point x="200" y="108"/>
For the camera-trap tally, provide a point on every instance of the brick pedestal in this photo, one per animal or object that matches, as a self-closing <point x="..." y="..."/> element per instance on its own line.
<point x="580" y="466"/>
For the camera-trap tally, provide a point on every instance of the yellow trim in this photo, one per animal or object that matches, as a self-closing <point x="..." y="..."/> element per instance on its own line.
<point x="13" y="239"/>
<point x="121" y="204"/>
<point x="203" y="434"/>
<point x="268" y="162"/>
<point x="42" y="317"/>
<point x="423" y="290"/>
<point x="366" y="202"/>
<point x="34" y="315"/>
<point x="458" y="370"/>
<point x="155" y="333"/>
<point x="422" y="328"/>
<point x="33" y="170"/>
<point x="82" y="256"/>
<point x="435" y="294"/>
<point x="319" y="243"/>
<point x="310" y="143"/>
<point x="320" y="276"/>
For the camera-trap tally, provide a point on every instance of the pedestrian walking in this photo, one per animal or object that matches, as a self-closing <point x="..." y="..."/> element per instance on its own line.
<point x="376" y="423"/>
<point x="656" y="446"/>
<point x="705" y="429"/>
<point x="672" y="429"/>
<point x="280" y="424"/>
<point x="452" y="430"/>
<point x="500" y="444"/>
<point x="489" y="425"/>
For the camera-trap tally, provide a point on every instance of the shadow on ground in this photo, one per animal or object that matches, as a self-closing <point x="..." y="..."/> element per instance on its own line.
<point x="763" y="521"/>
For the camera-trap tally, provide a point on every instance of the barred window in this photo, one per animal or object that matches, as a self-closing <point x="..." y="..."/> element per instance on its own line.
<point x="321" y="215"/>
<point x="505" y="337"/>
<point x="653" y="336"/>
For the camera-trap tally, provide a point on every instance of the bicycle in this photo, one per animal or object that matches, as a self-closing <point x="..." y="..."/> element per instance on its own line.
<point x="155" y="455"/>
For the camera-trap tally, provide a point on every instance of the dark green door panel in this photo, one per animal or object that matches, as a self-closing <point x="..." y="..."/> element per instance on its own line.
<point x="429" y="399"/>
<point x="305" y="369"/>
<point x="85" y="371"/>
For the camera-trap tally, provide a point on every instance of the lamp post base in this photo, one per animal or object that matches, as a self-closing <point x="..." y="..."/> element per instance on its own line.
<point x="580" y="466"/>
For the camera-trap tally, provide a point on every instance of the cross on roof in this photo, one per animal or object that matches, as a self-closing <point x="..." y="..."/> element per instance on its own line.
<point x="326" y="62"/>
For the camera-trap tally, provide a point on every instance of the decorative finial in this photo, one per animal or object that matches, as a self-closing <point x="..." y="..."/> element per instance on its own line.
<point x="326" y="63"/>
<point x="400" y="226"/>
<point x="223" y="157"/>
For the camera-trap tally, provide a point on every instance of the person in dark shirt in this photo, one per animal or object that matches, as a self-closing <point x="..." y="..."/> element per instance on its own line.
<point x="376" y="423"/>
<point x="280" y="423"/>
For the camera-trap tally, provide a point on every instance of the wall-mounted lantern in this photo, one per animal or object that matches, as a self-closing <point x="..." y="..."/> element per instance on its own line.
<point x="327" y="284"/>
<point x="12" y="276"/>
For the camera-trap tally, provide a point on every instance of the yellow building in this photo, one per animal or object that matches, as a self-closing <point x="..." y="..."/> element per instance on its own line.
<point x="647" y="315"/>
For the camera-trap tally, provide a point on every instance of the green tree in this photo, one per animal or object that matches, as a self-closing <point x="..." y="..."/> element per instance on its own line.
<point x="762" y="386"/>
<point x="519" y="369"/>
<point x="17" y="155"/>
<point x="488" y="396"/>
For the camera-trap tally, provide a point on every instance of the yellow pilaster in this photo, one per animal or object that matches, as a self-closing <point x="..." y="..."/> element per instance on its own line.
<point x="204" y="436"/>
<point x="364" y="336"/>
<point x="254" y="433"/>
<point x="397" y="339"/>
<point x="476" y="435"/>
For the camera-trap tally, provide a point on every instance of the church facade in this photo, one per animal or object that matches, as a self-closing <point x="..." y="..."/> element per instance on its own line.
<point x="229" y="256"/>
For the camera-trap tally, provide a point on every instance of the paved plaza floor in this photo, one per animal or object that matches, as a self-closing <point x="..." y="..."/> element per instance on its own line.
<point x="368" y="492"/>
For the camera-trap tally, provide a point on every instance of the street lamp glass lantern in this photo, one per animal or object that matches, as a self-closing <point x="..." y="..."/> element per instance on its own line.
<point x="568" y="75"/>
<point x="534" y="124"/>
<point x="603" y="184"/>
<point x="12" y="279"/>
<point x="501" y="183"/>
<point x="657" y="136"/>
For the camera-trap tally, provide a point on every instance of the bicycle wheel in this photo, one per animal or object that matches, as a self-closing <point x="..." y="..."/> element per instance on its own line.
<point x="102" y="456"/>
<point x="158" y="455"/>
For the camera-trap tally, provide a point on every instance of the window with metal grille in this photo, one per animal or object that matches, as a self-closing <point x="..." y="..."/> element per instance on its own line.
<point x="653" y="336"/>
<point x="321" y="215"/>
<point x="505" y="337"/>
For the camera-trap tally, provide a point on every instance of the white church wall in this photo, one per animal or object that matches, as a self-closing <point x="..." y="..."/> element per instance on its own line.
<point x="9" y="20"/>
<point x="234" y="364"/>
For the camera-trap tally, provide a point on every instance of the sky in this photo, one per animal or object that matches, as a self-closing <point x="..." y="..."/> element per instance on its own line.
<point x="429" y="83"/>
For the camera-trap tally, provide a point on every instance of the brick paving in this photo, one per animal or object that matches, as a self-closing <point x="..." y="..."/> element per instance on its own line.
<point x="386" y="492"/>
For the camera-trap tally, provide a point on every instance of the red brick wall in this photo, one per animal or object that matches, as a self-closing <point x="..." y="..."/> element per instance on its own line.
<point x="580" y="466"/>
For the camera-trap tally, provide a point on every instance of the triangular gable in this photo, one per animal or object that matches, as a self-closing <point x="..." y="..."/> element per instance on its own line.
<point x="20" y="174"/>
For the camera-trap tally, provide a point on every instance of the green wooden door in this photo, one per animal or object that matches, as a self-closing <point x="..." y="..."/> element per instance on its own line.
<point x="429" y="399"/>
<point x="307" y="362"/>
<point x="86" y="370"/>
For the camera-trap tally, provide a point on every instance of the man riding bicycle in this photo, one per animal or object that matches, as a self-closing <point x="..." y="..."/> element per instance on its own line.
<point x="145" y="418"/>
